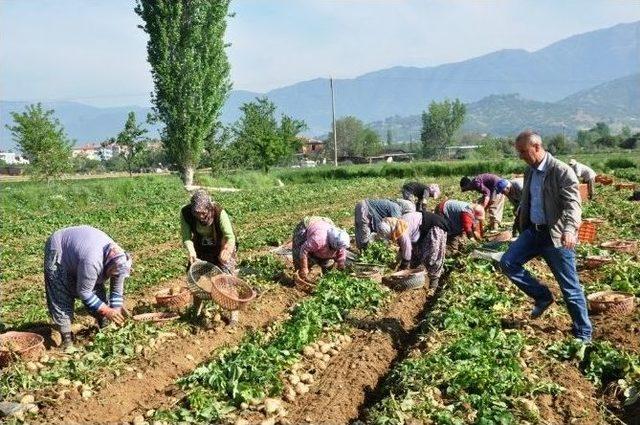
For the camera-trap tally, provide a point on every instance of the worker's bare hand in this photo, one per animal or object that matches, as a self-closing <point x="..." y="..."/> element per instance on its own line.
<point x="225" y="255"/>
<point x="113" y="314"/>
<point x="568" y="240"/>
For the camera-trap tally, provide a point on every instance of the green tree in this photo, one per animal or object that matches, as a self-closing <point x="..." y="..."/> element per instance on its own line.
<point x="353" y="139"/>
<point x="439" y="124"/>
<point x="131" y="141"/>
<point x="389" y="137"/>
<point x="607" y="141"/>
<point x="42" y="141"/>
<point x="556" y="144"/>
<point x="190" y="70"/>
<point x="371" y="142"/>
<point x="630" y="142"/>
<point x="260" y="142"/>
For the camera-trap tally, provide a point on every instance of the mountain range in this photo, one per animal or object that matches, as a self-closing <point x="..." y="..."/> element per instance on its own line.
<point x="574" y="81"/>
<point x="616" y="102"/>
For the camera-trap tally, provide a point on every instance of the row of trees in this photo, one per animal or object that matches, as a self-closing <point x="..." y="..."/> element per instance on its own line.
<point x="43" y="141"/>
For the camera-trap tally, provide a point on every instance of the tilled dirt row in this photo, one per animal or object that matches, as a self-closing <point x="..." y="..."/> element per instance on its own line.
<point x="352" y="376"/>
<point x="150" y="382"/>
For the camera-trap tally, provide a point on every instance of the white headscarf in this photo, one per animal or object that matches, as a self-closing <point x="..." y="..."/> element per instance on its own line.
<point x="338" y="238"/>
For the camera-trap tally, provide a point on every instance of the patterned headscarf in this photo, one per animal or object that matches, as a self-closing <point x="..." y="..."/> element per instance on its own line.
<point x="115" y="256"/>
<point x="201" y="203"/>
<point x="393" y="228"/>
<point x="434" y="190"/>
<point x="338" y="238"/>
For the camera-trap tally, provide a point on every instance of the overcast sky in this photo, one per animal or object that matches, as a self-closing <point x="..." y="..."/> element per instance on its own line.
<point x="92" y="51"/>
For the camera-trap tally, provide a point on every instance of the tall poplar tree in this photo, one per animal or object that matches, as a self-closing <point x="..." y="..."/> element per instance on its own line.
<point x="190" y="70"/>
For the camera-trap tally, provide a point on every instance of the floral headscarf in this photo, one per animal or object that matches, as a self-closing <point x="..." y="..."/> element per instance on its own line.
<point x="434" y="190"/>
<point x="338" y="238"/>
<point x="201" y="203"/>
<point x="393" y="228"/>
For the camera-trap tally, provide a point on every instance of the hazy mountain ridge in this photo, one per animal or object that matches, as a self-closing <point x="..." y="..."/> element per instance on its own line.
<point x="556" y="73"/>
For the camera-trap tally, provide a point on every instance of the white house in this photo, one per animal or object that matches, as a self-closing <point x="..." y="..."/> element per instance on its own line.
<point x="12" y="158"/>
<point x="96" y="151"/>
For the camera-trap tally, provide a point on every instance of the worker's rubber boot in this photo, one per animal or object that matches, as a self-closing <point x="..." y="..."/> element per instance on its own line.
<point x="102" y="321"/>
<point x="67" y="341"/>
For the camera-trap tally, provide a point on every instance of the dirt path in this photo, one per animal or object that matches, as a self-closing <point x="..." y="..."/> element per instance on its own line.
<point x="353" y="374"/>
<point x="149" y="383"/>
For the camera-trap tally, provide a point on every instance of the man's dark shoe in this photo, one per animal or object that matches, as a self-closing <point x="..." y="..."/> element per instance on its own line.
<point x="540" y="308"/>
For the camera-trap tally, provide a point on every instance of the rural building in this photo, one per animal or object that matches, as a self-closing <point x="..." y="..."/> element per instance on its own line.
<point x="97" y="151"/>
<point x="12" y="158"/>
<point x="311" y="146"/>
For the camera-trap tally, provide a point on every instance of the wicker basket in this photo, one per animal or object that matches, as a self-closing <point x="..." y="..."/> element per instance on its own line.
<point x="503" y="236"/>
<point x="303" y="284"/>
<point x="584" y="192"/>
<point x="164" y="298"/>
<point x="159" y="318"/>
<point x="405" y="279"/>
<point x="199" y="278"/>
<point x="620" y="246"/>
<point x="595" y="261"/>
<point x="620" y="186"/>
<point x="230" y="292"/>
<point x="611" y="302"/>
<point x="604" y="180"/>
<point x="27" y="346"/>
<point x="587" y="232"/>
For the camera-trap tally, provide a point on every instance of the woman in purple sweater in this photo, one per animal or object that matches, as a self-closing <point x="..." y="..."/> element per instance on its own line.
<point x="77" y="262"/>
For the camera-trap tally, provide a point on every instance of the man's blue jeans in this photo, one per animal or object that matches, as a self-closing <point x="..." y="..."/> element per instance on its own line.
<point x="562" y="262"/>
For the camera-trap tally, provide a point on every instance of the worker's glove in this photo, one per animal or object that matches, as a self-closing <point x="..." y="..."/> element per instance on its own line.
<point x="192" y="259"/>
<point x="404" y="265"/>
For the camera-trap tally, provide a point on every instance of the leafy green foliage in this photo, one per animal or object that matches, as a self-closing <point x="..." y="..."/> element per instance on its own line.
<point x="43" y="142"/>
<point x="612" y="163"/>
<point x="600" y="361"/>
<point x="439" y="124"/>
<point x="131" y="140"/>
<point x="252" y="369"/>
<point x="108" y="352"/>
<point x="260" y="141"/>
<point x="475" y="375"/>
<point x="353" y="139"/>
<point x="378" y="252"/>
<point x="622" y="275"/>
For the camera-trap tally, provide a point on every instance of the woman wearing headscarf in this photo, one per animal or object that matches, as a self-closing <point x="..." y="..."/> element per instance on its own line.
<point x="419" y="193"/>
<point x="491" y="199"/>
<point x="207" y="233"/>
<point x="370" y="212"/>
<point x="77" y="262"/>
<point x="464" y="219"/>
<point x="422" y="239"/>
<point x="318" y="240"/>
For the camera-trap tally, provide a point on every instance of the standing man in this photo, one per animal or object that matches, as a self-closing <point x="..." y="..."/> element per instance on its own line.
<point x="550" y="215"/>
<point x="585" y="175"/>
<point x="512" y="189"/>
<point x="491" y="200"/>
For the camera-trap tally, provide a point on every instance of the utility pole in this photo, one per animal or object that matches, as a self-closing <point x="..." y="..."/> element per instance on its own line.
<point x="333" y="114"/>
